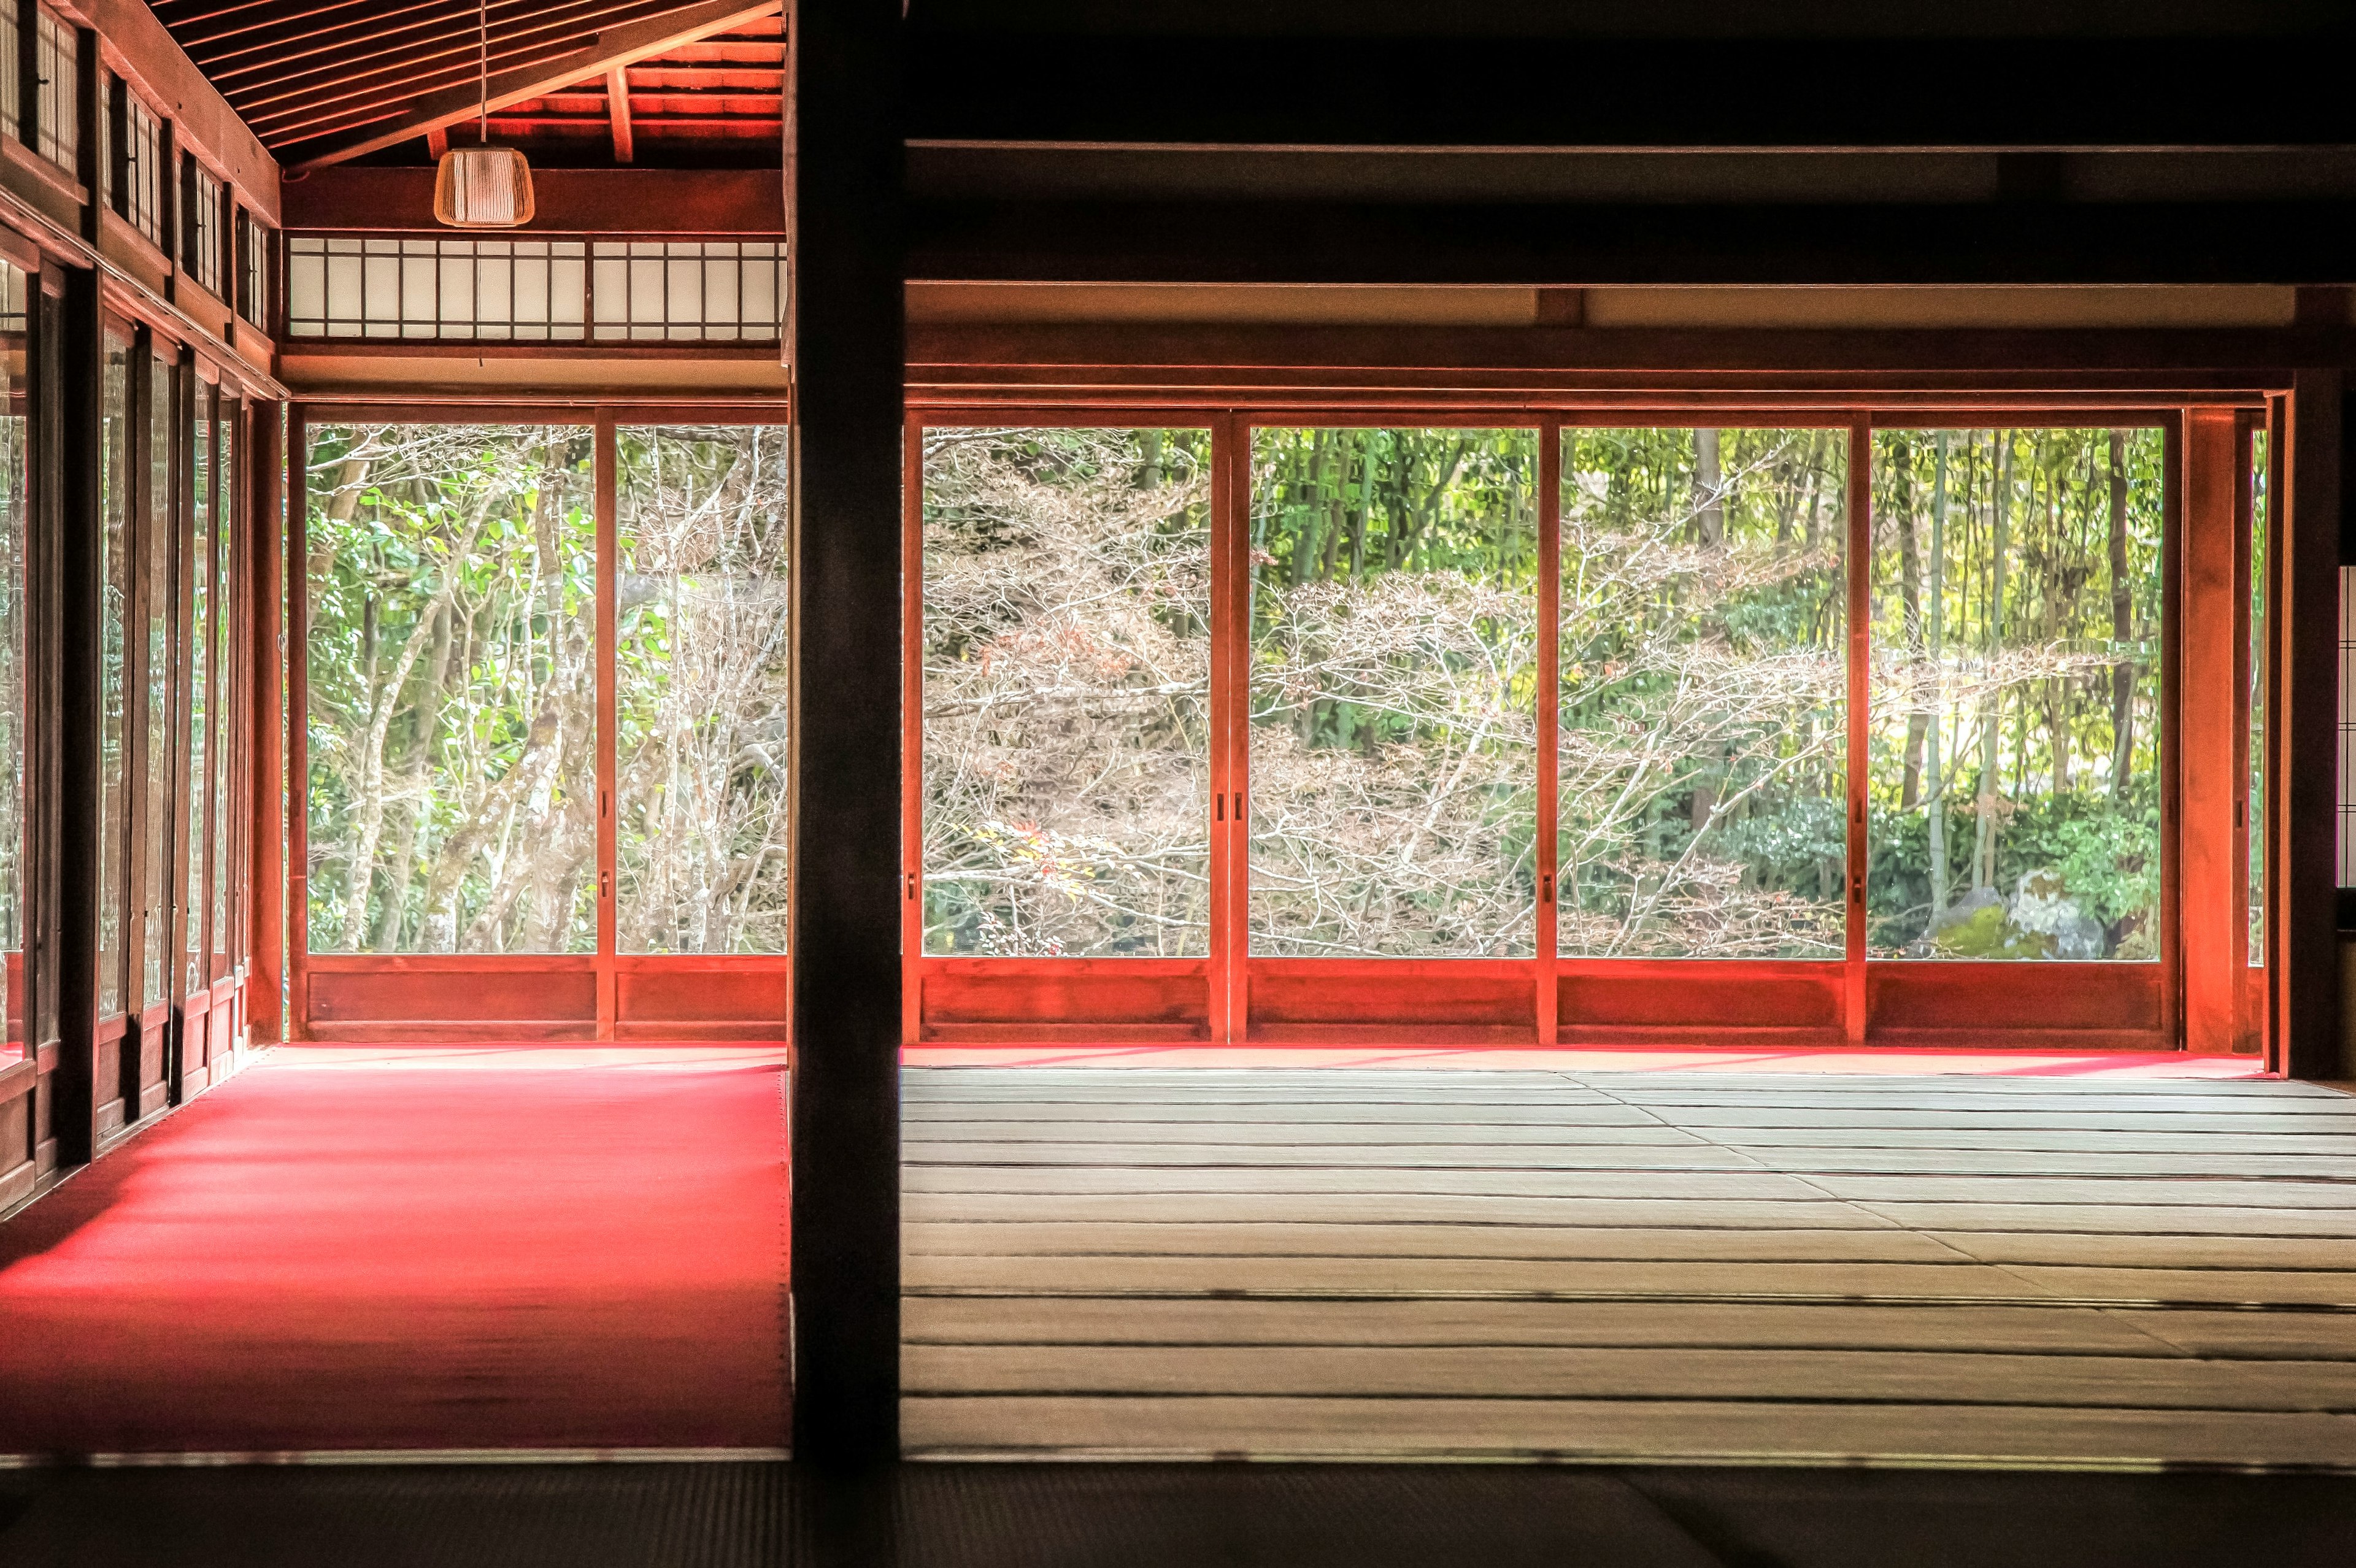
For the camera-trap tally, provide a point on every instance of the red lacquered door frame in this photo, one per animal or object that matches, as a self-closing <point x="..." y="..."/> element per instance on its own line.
<point x="599" y="995"/>
<point x="1858" y="716"/>
<point x="1768" y="1003"/>
<point x="1230" y="974"/>
<point x="1546" y="1006"/>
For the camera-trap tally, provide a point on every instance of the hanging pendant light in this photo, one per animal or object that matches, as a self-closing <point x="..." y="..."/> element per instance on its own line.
<point x="483" y="187"/>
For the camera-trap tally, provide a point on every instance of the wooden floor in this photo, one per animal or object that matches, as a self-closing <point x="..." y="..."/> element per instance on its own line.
<point x="1629" y="1267"/>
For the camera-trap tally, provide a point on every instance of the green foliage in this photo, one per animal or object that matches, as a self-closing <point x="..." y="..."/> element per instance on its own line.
<point x="2017" y="703"/>
<point x="451" y="724"/>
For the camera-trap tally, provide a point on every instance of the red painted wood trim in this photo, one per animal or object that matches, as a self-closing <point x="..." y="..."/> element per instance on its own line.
<point x="2017" y="368"/>
<point x="390" y="995"/>
<point x="655" y="999"/>
<point x="608" y="579"/>
<point x="2277" y="731"/>
<point x="266" y="658"/>
<point x="1987" y="999"/>
<point x="441" y="967"/>
<point x="1859" y="564"/>
<point x="2248" y="1035"/>
<point x="912" y="734"/>
<point x="1547" y="997"/>
<point x="1168" y="997"/>
<point x="2213" y="923"/>
<point x="2171" y="729"/>
<point x="295" y="654"/>
<point x="1230" y="803"/>
<point x="1608" y="995"/>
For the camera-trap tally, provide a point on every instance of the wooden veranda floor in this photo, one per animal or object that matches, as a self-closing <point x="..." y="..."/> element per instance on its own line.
<point x="1629" y="1266"/>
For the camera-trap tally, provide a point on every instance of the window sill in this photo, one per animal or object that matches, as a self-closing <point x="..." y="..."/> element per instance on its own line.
<point x="17" y="154"/>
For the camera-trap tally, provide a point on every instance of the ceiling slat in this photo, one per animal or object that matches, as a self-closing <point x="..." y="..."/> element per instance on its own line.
<point x="312" y="74"/>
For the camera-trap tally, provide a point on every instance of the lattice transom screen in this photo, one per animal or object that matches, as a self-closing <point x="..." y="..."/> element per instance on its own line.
<point x="426" y="287"/>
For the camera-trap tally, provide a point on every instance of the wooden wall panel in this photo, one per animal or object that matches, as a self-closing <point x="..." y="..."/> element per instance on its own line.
<point x="1985" y="1000"/>
<point x="1346" y="1000"/>
<point x="1696" y="997"/>
<point x="1144" y="997"/>
<point x="385" y="993"/>
<point x="699" y="999"/>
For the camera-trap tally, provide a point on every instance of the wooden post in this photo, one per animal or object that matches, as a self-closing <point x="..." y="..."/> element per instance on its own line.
<point x="1550" y="759"/>
<point x="843" y="199"/>
<point x="609" y="583"/>
<point x="1859" y="563"/>
<point x="2215" y="922"/>
<point x="912" y="734"/>
<point x="2307" y="647"/>
<point x="81" y="792"/>
<point x="259" y="554"/>
<point x="1230" y="944"/>
<point x="296" y="607"/>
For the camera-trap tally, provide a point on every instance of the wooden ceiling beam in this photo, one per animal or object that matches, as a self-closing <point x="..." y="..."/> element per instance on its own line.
<point x="295" y="23"/>
<point x="620" y="47"/>
<point x="342" y="53"/>
<point x="617" y="111"/>
<point x="433" y="22"/>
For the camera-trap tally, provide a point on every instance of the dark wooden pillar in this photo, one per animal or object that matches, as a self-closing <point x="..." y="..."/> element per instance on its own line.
<point x="80" y="789"/>
<point x="843" y="201"/>
<point x="2309" y="787"/>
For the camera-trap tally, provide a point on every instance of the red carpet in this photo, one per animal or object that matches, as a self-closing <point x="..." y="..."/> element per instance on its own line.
<point x="416" y="1249"/>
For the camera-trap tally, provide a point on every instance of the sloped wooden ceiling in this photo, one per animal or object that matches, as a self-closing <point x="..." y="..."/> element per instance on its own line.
<point x="314" y="78"/>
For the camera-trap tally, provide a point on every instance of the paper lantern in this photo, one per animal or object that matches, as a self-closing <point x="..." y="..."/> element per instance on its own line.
<point x="483" y="187"/>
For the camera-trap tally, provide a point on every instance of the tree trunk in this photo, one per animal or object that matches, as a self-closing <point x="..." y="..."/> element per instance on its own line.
<point x="1365" y="518"/>
<point x="2057" y="583"/>
<point x="1304" y="542"/>
<point x="400" y="864"/>
<point x="1337" y="510"/>
<point x="1935" y="633"/>
<point x="1709" y="498"/>
<point x="1992" y="705"/>
<point x="1910" y="597"/>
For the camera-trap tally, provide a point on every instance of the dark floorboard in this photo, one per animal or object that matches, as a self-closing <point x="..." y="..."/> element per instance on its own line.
<point x="1160" y="1516"/>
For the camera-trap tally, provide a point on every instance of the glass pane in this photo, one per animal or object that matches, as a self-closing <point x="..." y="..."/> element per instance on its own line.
<point x="155" y="868"/>
<point x="1703" y="736"/>
<point x="200" y="711"/>
<point x="700" y="689"/>
<point x="225" y="684"/>
<point x="2015" y="741"/>
<point x="114" y="544"/>
<point x="453" y="690"/>
<point x="1067" y="683"/>
<point x="13" y="426"/>
<point x="1394" y="705"/>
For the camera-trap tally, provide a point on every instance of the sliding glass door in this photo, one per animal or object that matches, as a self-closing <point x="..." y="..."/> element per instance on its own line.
<point x="543" y="791"/>
<point x="1847" y="727"/>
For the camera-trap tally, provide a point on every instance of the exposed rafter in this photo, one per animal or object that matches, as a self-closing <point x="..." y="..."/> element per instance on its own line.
<point x="617" y="111"/>
<point x="604" y="52"/>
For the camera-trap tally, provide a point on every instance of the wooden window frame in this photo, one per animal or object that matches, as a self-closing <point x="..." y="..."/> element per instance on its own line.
<point x="599" y="996"/>
<point x="2204" y="994"/>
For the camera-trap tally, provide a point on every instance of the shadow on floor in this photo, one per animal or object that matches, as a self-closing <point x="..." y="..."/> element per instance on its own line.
<point x="1158" y="1516"/>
